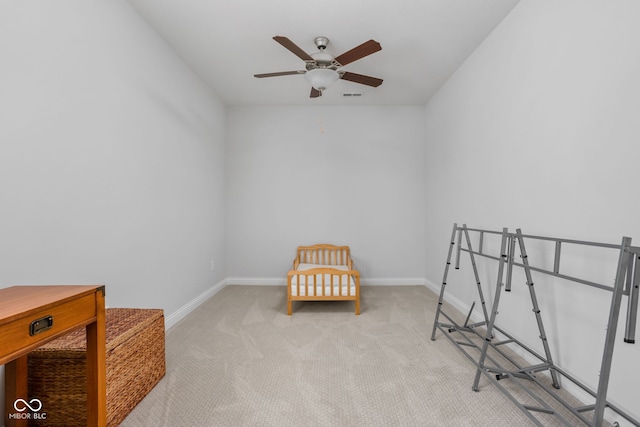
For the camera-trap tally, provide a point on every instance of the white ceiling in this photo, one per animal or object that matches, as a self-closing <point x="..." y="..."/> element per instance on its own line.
<point x="227" y="42"/>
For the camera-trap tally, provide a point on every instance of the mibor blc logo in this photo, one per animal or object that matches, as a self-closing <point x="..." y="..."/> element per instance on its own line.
<point x="28" y="410"/>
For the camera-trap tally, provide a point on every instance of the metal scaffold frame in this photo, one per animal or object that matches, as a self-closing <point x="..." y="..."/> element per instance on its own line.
<point x="479" y="344"/>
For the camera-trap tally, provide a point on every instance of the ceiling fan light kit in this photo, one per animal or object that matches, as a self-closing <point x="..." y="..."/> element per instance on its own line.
<point x="321" y="78"/>
<point x="322" y="69"/>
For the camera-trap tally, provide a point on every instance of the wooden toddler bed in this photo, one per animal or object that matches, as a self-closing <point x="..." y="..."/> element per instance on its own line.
<point x="323" y="273"/>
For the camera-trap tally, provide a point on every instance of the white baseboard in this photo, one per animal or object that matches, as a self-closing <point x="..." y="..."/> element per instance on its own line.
<point x="257" y="281"/>
<point x="282" y="281"/>
<point x="186" y="309"/>
<point x="432" y="286"/>
<point x="402" y="281"/>
<point x="458" y="304"/>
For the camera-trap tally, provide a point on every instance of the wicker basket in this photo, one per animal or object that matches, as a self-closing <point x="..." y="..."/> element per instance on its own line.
<point x="135" y="364"/>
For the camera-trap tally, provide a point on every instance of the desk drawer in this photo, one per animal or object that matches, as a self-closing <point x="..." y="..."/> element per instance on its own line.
<point x="16" y="338"/>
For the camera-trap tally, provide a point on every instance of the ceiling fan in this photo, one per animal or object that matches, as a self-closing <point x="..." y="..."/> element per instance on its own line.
<point x="322" y="69"/>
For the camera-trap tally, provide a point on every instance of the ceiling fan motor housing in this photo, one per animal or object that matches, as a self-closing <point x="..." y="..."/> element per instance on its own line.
<point x="321" y="60"/>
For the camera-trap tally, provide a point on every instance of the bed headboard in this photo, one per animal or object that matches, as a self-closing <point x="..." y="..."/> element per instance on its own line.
<point x="324" y="254"/>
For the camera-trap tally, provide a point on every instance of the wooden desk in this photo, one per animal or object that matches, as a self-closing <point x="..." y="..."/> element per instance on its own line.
<point x="33" y="315"/>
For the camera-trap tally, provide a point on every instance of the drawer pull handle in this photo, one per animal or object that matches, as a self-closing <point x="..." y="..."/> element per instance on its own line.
<point x="41" y="325"/>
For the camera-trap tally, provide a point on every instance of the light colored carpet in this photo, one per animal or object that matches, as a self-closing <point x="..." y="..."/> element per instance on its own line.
<point x="239" y="360"/>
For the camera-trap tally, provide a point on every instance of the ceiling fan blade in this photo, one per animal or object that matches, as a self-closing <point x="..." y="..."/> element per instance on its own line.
<point x="315" y="93"/>
<point x="362" y="79"/>
<point x="358" y="52"/>
<point x="294" y="48"/>
<point x="281" y="73"/>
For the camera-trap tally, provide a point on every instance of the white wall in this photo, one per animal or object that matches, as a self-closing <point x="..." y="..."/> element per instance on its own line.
<point x="111" y="157"/>
<point x="539" y="130"/>
<point x="342" y="175"/>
